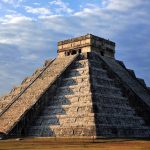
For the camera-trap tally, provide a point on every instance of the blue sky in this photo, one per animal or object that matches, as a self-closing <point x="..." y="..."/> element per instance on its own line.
<point x="30" y="29"/>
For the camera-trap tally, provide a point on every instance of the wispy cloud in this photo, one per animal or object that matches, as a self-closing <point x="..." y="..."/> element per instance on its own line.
<point x="14" y="19"/>
<point x="118" y="5"/>
<point x="15" y="3"/>
<point x="37" y="10"/>
<point x="62" y="6"/>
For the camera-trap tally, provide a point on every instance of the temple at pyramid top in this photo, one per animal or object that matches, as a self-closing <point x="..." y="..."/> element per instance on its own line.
<point x="86" y="43"/>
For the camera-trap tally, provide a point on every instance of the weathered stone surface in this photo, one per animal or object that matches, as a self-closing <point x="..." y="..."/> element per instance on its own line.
<point x="86" y="43"/>
<point x="72" y="108"/>
<point x="7" y="99"/>
<point x="30" y="96"/>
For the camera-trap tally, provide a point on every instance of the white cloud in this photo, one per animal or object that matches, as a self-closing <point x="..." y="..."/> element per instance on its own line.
<point x="38" y="10"/>
<point x="62" y="6"/>
<point x="120" y="5"/>
<point x="15" y="3"/>
<point x="14" y="19"/>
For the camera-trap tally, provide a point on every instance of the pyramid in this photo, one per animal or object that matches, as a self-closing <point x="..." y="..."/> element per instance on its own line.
<point x="84" y="92"/>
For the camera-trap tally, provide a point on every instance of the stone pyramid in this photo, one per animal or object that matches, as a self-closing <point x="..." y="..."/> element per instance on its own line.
<point x="84" y="92"/>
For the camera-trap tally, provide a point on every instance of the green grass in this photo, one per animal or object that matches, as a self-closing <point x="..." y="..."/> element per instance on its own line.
<point x="74" y="144"/>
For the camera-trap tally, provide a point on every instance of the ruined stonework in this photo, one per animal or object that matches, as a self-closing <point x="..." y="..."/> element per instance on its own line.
<point x="84" y="92"/>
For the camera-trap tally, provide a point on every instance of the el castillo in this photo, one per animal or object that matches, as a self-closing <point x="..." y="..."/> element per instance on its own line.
<point x="84" y="92"/>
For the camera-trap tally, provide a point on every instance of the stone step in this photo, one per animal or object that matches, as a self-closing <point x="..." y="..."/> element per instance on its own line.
<point x="123" y="132"/>
<point x="90" y="114"/>
<point x="105" y="118"/>
<point x="64" y="101"/>
<point x="87" y="68"/>
<point x="98" y="69"/>
<point x="113" y="103"/>
<point x="107" y="90"/>
<point x="82" y="119"/>
<point x="81" y="64"/>
<point x="101" y="118"/>
<point x="38" y="131"/>
<point x="98" y="107"/>
<point x="121" y="98"/>
<point x="68" y="109"/>
<point x="73" y="86"/>
<point x="95" y="87"/>
<point x="108" y="99"/>
<point x="109" y="108"/>
<point x="78" y="72"/>
<point x="64" y="119"/>
<point x="93" y="63"/>
<point x="85" y="71"/>
<point x="69" y="99"/>
<point x="114" y="99"/>
<point x="69" y="106"/>
<point x="87" y="130"/>
<point x="54" y="119"/>
<point x="75" y="80"/>
<point x="78" y="69"/>
<point x="104" y="115"/>
<point x="70" y="90"/>
<point x="98" y="126"/>
<point x="67" y="116"/>
<point x="103" y="81"/>
<point x="99" y="73"/>
<point x="84" y="98"/>
<point x="118" y="126"/>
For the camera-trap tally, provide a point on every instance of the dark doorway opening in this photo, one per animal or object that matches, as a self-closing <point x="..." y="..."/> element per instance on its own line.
<point x="67" y="53"/>
<point x="73" y="52"/>
<point x="23" y="132"/>
<point x="79" y="51"/>
<point x="102" y="53"/>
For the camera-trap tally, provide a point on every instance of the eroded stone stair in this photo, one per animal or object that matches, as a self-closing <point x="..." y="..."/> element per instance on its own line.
<point x="70" y="112"/>
<point x="114" y="114"/>
<point x="31" y="97"/>
<point x="88" y="103"/>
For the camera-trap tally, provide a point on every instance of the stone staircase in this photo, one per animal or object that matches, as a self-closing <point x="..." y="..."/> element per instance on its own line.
<point x="15" y="116"/>
<point x="70" y="112"/>
<point x="114" y="115"/>
<point x="8" y="98"/>
<point x="74" y="98"/>
<point x="132" y="82"/>
<point x="89" y="103"/>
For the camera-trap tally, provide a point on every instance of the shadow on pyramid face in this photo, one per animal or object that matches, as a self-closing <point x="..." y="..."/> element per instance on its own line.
<point x="70" y="82"/>
<point x="65" y="91"/>
<point x="61" y="101"/>
<point x="53" y="114"/>
<point x="74" y="73"/>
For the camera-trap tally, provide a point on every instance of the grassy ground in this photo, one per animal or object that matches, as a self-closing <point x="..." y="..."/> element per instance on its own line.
<point x="74" y="144"/>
